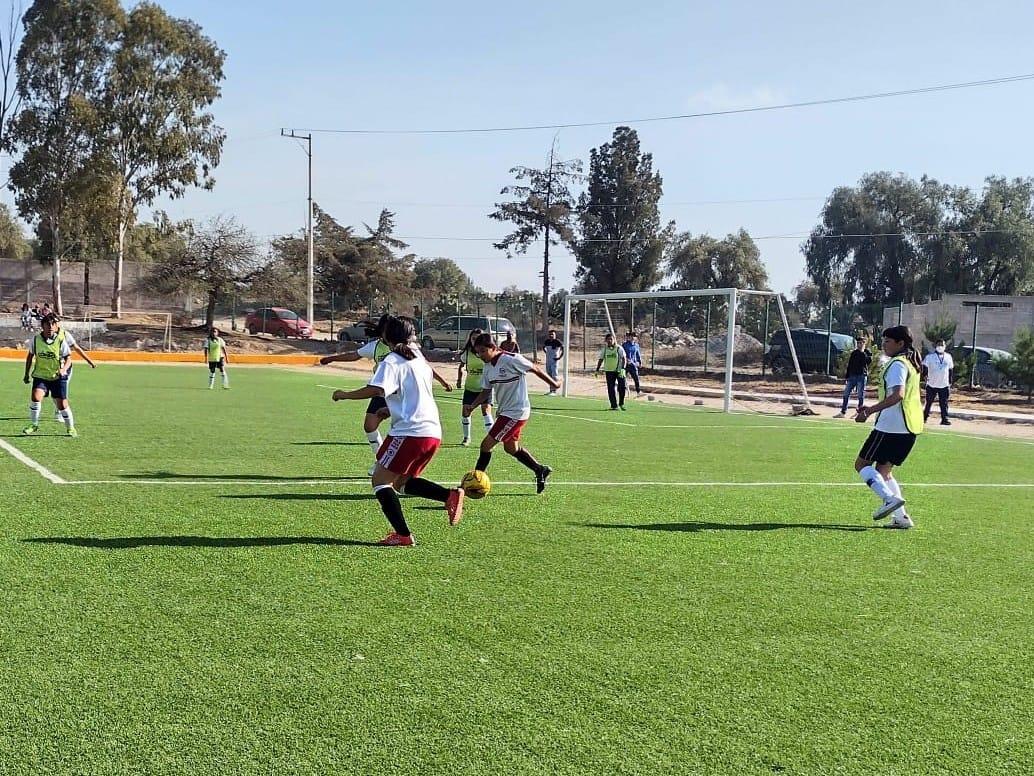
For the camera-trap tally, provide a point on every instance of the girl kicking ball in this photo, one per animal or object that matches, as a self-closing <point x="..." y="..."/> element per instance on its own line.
<point x="404" y="381"/>
<point x="899" y="421"/>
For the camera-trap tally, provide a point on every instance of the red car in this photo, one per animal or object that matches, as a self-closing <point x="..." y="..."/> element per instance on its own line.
<point x="278" y="321"/>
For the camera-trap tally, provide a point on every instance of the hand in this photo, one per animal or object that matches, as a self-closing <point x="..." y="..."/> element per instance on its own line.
<point x="339" y="396"/>
<point x="596" y="373"/>
<point x="325" y="360"/>
<point x="448" y="388"/>
<point x="862" y="415"/>
<point x="25" y="379"/>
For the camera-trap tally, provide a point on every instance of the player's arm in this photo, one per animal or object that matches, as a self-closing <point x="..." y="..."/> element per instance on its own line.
<point x="482" y="398"/>
<point x="442" y="381"/>
<point x="545" y="378"/>
<point x="895" y="396"/>
<point x="85" y="357"/>
<point x="599" y="363"/>
<point x="352" y="356"/>
<point x="366" y="392"/>
<point x="66" y="363"/>
<point x="226" y="354"/>
<point x="28" y="366"/>
<point x="459" y="374"/>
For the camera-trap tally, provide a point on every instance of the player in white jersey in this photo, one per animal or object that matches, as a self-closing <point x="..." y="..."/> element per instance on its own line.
<point x="505" y="376"/>
<point x="403" y="380"/>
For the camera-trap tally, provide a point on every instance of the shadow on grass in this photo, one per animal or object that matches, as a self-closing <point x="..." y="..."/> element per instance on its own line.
<point x="693" y="526"/>
<point x="131" y="542"/>
<point x="335" y="444"/>
<point x="303" y="496"/>
<point x="254" y="477"/>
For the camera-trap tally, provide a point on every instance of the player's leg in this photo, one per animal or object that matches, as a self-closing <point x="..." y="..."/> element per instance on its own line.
<point x="465" y="413"/>
<point x="383" y="482"/>
<point x="225" y="374"/>
<point x="371" y="425"/>
<point x="35" y="406"/>
<point x="612" y="379"/>
<point x="867" y="467"/>
<point x="513" y="446"/>
<point x="211" y="374"/>
<point x="486" y="415"/>
<point x="622" y="386"/>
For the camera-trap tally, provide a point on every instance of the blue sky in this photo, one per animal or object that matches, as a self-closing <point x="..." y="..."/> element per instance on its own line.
<point x="442" y="65"/>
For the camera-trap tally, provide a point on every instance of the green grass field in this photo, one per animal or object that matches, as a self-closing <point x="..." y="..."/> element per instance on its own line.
<point x="201" y="597"/>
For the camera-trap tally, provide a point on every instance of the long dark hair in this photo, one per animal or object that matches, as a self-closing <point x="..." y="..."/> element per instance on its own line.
<point x="474" y="334"/>
<point x="399" y="333"/>
<point x="904" y="334"/>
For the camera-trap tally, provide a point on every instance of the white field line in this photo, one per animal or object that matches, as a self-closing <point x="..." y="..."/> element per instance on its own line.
<point x="574" y="484"/>
<point x="36" y="466"/>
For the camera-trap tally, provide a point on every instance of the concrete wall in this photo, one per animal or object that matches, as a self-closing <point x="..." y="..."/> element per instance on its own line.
<point x="996" y="326"/>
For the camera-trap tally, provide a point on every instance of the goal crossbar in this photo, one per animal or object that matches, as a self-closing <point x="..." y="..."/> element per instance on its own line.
<point x="731" y="294"/>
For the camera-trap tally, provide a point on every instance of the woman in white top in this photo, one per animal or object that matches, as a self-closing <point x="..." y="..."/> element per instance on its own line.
<point x="403" y="380"/>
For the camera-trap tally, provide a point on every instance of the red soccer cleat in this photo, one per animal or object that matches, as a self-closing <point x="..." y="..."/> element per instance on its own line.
<point x="394" y="540"/>
<point x="454" y="505"/>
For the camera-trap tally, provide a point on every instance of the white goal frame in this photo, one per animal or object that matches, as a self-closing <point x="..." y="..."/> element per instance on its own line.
<point x="731" y="294"/>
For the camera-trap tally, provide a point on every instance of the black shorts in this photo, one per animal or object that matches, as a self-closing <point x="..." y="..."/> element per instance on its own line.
<point x="469" y="397"/>
<point x="376" y="404"/>
<point x="882" y="447"/>
<point x="213" y="365"/>
<point x="55" y="389"/>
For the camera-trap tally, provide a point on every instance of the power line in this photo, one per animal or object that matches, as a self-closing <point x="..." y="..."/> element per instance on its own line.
<point x="383" y="203"/>
<point x="681" y="116"/>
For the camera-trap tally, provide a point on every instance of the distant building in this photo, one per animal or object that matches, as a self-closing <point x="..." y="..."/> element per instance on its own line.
<point x="998" y="318"/>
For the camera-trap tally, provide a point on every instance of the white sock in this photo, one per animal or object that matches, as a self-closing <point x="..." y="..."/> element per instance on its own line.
<point x="895" y="488"/>
<point x="34" y="410"/>
<point x="66" y="415"/>
<point x="226" y="378"/>
<point x="211" y="379"/>
<point x="489" y="422"/>
<point x="466" y="428"/>
<point x="876" y="483"/>
<point x="374" y="438"/>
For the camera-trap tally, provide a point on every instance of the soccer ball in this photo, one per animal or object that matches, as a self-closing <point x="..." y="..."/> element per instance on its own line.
<point x="476" y="484"/>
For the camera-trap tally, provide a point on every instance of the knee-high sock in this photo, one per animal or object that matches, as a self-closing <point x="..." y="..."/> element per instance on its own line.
<point x="226" y="377"/>
<point x="483" y="460"/>
<point x="528" y="460"/>
<point x="876" y="483"/>
<point x="66" y="416"/>
<point x="418" y="486"/>
<point x="489" y="420"/>
<point x="211" y="379"/>
<point x="34" y="410"/>
<point x="374" y="438"/>
<point x="895" y="488"/>
<point x="465" y="422"/>
<point x="392" y="508"/>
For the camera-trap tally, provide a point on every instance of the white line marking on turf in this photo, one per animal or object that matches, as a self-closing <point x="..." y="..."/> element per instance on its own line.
<point x="575" y="484"/>
<point x="18" y="455"/>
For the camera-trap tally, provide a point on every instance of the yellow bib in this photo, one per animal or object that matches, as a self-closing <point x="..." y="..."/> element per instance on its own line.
<point x="911" y="404"/>
<point x="48" y="356"/>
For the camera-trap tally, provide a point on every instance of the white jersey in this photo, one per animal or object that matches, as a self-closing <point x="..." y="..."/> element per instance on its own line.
<point x="938" y="369"/>
<point x="892" y="419"/>
<point x="407" y="390"/>
<point x="505" y="375"/>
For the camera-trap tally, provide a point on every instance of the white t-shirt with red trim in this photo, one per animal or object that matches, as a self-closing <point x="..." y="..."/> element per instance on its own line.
<point x="505" y="374"/>
<point x="408" y="392"/>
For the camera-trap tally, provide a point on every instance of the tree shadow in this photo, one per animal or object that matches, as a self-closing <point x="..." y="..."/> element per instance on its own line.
<point x="131" y="542"/>
<point x="234" y="476"/>
<point x="334" y="444"/>
<point x="303" y="496"/>
<point x="694" y="526"/>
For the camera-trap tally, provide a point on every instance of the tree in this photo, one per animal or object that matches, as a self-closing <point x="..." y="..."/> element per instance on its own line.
<point x="441" y="276"/>
<point x="621" y="241"/>
<point x="704" y="262"/>
<point x="543" y="207"/>
<point x="808" y="301"/>
<point x="214" y="259"/>
<point x="941" y="329"/>
<point x="61" y="64"/>
<point x="12" y="239"/>
<point x="160" y="137"/>
<point x="10" y="41"/>
<point x="1020" y="367"/>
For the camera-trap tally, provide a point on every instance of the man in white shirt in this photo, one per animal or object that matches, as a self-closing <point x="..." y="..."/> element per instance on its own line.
<point x="939" y="369"/>
<point x="505" y="375"/>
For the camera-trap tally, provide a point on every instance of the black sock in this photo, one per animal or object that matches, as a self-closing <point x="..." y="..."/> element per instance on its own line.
<point x="392" y="508"/>
<point x="528" y="460"/>
<point x="426" y="489"/>
<point x="483" y="461"/>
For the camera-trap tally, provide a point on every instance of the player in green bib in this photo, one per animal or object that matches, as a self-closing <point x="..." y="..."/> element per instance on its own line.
<point x="613" y="361"/>
<point x="46" y="367"/>
<point x="475" y="368"/>
<point x="215" y="352"/>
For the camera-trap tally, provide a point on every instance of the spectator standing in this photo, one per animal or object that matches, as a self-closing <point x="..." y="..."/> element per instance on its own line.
<point x="939" y="370"/>
<point x="554" y="352"/>
<point x="509" y="344"/>
<point x="857" y="374"/>
<point x="634" y="357"/>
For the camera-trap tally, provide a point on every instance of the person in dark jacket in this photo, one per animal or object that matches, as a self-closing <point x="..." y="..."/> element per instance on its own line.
<point x="857" y="374"/>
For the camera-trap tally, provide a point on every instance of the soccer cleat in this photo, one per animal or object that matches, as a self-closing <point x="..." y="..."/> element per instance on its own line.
<point x="904" y="522"/>
<point x="73" y="433"/>
<point x="465" y="443"/>
<point x="454" y="505"/>
<point x="58" y="418"/>
<point x="888" y="507"/>
<point x="31" y="429"/>
<point x="541" y="477"/>
<point x="394" y="540"/>
<point x="226" y="387"/>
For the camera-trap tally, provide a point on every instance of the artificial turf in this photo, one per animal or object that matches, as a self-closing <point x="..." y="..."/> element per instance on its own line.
<point x="220" y="610"/>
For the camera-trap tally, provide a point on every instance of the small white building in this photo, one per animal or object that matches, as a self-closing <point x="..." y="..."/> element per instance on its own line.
<point x="997" y="318"/>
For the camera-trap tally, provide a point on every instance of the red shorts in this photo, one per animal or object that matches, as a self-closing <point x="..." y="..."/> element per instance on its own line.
<point x="507" y="429"/>
<point x="407" y="455"/>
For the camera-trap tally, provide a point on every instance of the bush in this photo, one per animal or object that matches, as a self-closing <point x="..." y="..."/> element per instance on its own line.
<point x="1019" y="368"/>
<point x="941" y="329"/>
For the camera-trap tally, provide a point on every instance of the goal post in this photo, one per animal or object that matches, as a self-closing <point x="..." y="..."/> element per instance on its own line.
<point x="688" y="333"/>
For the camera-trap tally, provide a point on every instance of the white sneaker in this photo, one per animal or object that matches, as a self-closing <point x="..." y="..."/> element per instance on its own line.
<point x="840" y="415"/>
<point x="465" y="443"/>
<point x="887" y="508"/>
<point x="903" y="522"/>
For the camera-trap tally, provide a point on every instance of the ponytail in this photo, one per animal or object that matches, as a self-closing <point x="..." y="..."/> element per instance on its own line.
<point x="399" y="333"/>
<point x="909" y="352"/>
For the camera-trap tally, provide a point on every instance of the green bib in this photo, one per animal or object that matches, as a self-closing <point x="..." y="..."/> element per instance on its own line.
<point x="610" y="359"/>
<point x="48" y="356"/>
<point x="215" y="349"/>
<point x="475" y="371"/>
<point x="380" y="352"/>
<point x="911" y="404"/>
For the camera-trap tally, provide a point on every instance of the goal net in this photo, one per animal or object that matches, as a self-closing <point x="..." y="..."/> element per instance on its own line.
<point x="154" y="326"/>
<point x="730" y="348"/>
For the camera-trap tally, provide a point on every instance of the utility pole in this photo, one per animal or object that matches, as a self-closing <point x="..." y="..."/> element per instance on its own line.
<point x="309" y="312"/>
<point x="545" y="252"/>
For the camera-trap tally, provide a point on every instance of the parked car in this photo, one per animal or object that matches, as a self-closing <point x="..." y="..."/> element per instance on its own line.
<point x="278" y="321"/>
<point x="361" y="332"/>
<point x="810" y="345"/>
<point x="452" y="332"/>
<point x="987" y="374"/>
